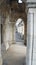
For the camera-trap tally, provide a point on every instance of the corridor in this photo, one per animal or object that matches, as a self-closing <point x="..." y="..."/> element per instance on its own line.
<point x="13" y="45"/>
<point x="15" y="55"/>
<point x="19" y="48"/>
<point x="19" y="38"/>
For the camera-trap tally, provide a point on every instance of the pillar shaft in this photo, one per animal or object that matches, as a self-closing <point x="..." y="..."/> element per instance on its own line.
<point x="5" y="37"/>
<point x="13" y="33"/>
<point x="0" y="47"/>
<point x="29" y="37"/>
<point x="25" y="33"/>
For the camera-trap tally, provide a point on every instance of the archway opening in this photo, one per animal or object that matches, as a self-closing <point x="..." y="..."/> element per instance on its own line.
<point x="19" y="31"/>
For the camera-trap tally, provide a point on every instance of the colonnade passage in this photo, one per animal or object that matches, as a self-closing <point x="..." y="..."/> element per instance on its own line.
<point x="13" y="43"/>
<point x="12" y="51"/>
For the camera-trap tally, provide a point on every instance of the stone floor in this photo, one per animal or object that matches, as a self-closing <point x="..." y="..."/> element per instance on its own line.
<point x="15" y="55"/>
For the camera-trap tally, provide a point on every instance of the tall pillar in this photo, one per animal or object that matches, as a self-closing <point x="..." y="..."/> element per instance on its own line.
<point x="30" y="36"/>
<point x="0" y="45"/>
<point x="13" y="33"/>
<point x="34" y="39"/>
<point x="25" y="33"/>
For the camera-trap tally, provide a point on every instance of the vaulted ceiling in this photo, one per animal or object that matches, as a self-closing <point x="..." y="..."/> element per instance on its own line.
<point x="13" y="5"/>
<point x="14" y="9"/>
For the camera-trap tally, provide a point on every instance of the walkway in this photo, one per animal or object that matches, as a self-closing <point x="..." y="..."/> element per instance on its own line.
<point x="15" y="55"/>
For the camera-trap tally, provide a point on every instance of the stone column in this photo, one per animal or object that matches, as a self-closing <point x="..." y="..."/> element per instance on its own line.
<point x="13" y="32"/>
<point x="6" y="33"/>
<point x="25" y="33"/>
<point x="30" y="37"/>
<point x="0" y="44"/>
<point x="34" y="40"/>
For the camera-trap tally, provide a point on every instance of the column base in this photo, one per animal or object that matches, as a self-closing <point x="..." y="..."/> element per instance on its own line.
<point x="6" y="45"/>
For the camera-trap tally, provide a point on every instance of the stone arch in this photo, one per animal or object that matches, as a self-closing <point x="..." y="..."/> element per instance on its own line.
<point x="20" y="33"/>
<point x="24" y="18"/>
<point x="18" y="18"/>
